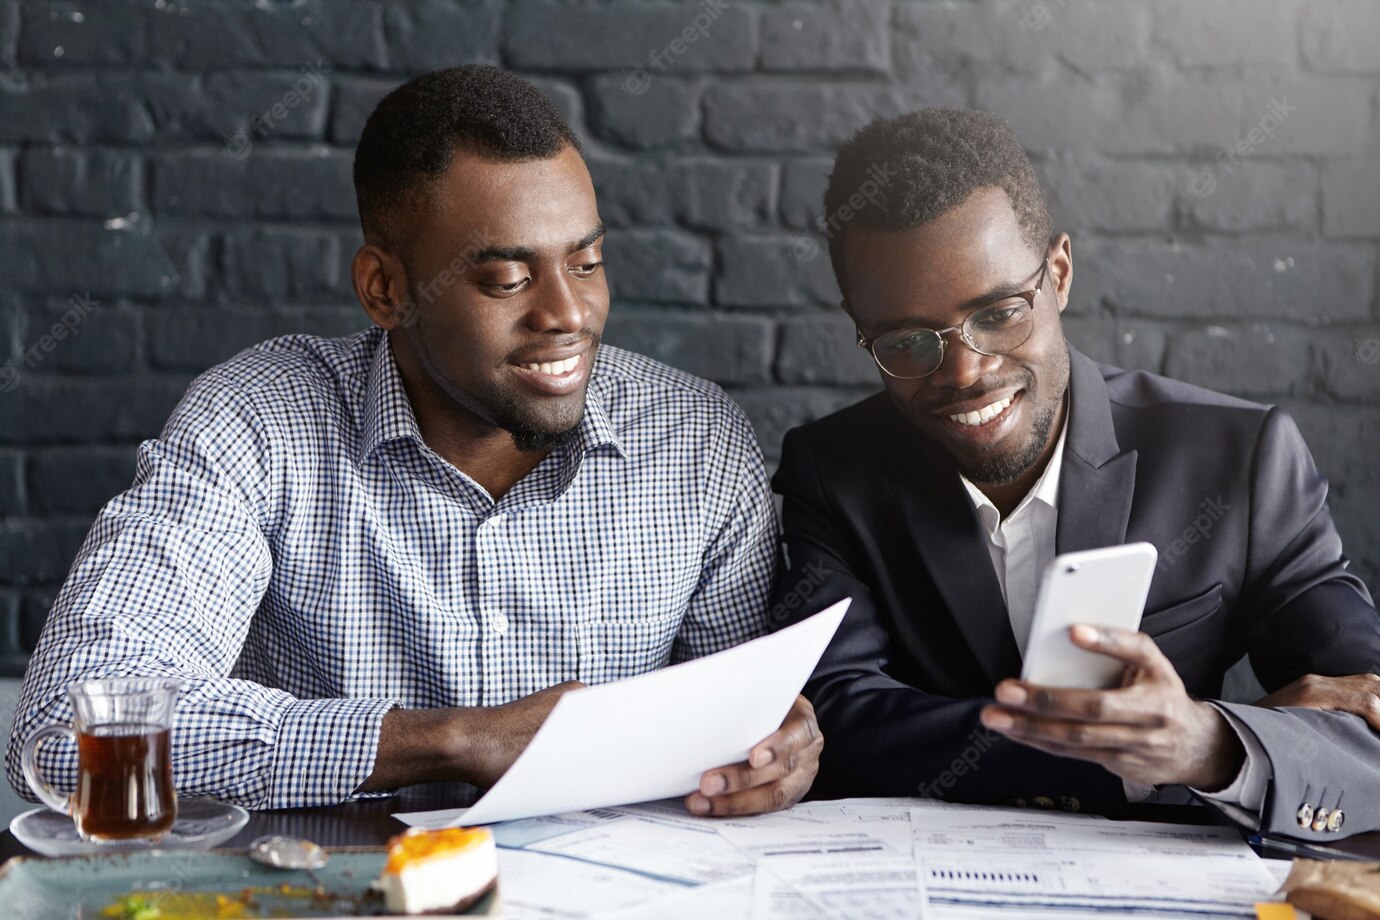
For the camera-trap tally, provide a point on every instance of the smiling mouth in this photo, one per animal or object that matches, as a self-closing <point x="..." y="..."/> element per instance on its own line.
<point x="557" y="376"/>
<point x="985" y="414"/>
<point x="554" y="368"/>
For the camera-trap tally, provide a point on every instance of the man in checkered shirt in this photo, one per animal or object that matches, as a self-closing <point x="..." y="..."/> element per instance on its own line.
<point x="380" y="560"/>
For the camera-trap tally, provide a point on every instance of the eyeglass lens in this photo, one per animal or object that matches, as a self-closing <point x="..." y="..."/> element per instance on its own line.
<point x="993" y="330"/>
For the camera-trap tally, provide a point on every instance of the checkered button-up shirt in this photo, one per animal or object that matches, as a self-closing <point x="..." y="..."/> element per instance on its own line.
<point x="294" y="554"/>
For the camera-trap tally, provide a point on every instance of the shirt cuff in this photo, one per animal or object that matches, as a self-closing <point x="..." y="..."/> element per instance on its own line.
<point x="325" y="749"/>
<point x="1243" y="799"/>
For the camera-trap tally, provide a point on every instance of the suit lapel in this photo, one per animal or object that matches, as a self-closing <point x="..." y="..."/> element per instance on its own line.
<point x="1098" y="479"/>
<point x="944" y="528"/>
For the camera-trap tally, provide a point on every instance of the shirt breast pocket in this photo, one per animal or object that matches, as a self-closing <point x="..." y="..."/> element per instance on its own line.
<point x="1188" y="633"/>
<point x="626" y="643"/>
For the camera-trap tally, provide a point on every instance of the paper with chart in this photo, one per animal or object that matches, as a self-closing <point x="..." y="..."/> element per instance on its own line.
<point x="900" y="857"/>
<point x="610" y="860"/>
<point x="1018" y="862"/>
<point x="652" y="840"/>
<point x="826" y="860"/>
<point x="651" y="736"/>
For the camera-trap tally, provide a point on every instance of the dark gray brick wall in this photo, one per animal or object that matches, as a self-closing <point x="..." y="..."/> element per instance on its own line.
<point x="175" y="185"/>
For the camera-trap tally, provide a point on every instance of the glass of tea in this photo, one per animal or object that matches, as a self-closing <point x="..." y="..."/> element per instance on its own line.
<point x="123" y="729"/>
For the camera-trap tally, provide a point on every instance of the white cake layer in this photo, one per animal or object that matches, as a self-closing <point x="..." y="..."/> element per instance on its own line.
<point x="440" y="882"/>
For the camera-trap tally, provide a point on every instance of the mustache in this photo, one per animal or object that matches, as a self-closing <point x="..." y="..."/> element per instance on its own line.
<point x="950" y="396"/>
<point x="553" y="340"/>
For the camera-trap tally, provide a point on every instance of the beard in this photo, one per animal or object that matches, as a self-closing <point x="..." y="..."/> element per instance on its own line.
<point x="993" y="467"/>
<point x="529" y="434"/>
<point x="534" y="424"/>
<point x="535" y="430"/>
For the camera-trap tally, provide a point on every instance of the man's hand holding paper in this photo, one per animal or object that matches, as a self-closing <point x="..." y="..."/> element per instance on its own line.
<point x="681" y="730"/>
<point x="776" y="775"/>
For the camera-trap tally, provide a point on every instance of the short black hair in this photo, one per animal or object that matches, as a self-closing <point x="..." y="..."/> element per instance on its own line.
<point x="414" y="132"/>
<point x="923" y="165"/>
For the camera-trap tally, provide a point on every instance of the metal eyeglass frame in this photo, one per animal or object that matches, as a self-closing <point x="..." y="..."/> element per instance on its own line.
<point x="962" y="330"/>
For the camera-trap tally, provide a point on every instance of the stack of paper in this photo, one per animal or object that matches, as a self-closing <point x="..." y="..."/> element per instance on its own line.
<point x="878" y="858"/>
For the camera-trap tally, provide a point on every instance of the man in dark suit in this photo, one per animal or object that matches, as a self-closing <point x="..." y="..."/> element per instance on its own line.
<point x="937" y="504"/>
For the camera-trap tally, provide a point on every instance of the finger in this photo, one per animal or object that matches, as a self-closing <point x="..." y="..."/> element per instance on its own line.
<point x="1117" y="706"/>
<point x="798" y="731"/>
<point x="1093" y="755"/>
<point x="774" y="796"/>
<point x="1134" y="648"/>
<point x="1025" y="727"/>
<point x="1370" y="708"/>
<point x="740" y="776"/>
<point x="1364" y="704"/>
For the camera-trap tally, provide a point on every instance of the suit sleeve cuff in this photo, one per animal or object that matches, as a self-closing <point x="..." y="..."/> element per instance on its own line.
<point x="1243" y="799"/>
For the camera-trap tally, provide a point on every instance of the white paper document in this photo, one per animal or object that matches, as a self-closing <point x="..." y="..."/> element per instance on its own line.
<point x="978" y="862"/>
<point x="874" y="858"/>
<point x="538" y="886"/>
<point x="652" y="736"/>
<point x="862" y="869"/>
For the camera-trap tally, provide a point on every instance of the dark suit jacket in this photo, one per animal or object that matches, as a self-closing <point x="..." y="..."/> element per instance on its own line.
<point x="1250" y="563"/>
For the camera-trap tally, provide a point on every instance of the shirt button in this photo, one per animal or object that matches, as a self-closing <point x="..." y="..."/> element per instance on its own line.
<point x="499" y="624"/>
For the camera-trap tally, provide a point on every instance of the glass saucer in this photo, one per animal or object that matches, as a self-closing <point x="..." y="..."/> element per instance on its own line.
<point x="200" y="825"/>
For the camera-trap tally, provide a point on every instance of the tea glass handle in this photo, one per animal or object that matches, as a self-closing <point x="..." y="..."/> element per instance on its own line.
<point x="29" y="761"/>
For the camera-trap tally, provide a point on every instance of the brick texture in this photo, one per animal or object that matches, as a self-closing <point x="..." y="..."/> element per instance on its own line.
<point x="175" y="185"/>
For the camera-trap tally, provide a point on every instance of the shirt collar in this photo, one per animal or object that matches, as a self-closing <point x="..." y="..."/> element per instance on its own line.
<point x="1045" y="490"/>
<point x="388" y="414"/>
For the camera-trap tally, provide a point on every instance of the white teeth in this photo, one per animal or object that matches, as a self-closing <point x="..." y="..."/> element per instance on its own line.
<point x="985" y="414"/>
<point x="554" y="368"/>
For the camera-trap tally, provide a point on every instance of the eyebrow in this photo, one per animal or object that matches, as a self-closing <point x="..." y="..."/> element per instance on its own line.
<point x="528" y="254"/>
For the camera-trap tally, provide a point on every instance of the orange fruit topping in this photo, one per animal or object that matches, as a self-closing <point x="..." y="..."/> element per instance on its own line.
<point x="417" y="845"/>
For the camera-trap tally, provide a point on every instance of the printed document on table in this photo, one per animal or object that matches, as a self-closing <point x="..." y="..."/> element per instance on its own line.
<point x="536" y="886"/>
<point x="686" y="852"/>
<point x="651" y="736"/>
<point x="652" y="861"/>
<point x="1017" y="862"/>
<point x="862" y="870"/>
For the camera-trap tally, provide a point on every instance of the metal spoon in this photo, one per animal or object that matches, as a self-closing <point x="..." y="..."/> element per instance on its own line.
<point x="282" y="852"/>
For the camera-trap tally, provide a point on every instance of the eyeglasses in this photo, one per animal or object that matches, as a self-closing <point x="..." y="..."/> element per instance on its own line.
<point x="992" y="329"/>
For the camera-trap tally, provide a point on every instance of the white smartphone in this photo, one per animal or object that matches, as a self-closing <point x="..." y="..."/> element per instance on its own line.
<point x="1101" y="587"/>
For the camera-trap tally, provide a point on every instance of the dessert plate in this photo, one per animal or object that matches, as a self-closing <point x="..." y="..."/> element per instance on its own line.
<point x="222" y="883"/>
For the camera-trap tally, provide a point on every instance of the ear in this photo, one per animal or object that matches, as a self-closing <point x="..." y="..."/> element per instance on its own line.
<point x="1061" y="268"/>
<point x="380" y="283"/>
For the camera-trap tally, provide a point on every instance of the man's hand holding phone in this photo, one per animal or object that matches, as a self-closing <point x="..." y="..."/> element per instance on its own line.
<point x="1147" y="731"/>
<point x="1094" y="688"/>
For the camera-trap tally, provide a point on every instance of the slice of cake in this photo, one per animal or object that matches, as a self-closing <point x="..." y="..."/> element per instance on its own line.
<point x="445" y="871"/>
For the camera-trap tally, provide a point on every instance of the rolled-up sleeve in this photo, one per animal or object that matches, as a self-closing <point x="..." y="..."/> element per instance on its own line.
<point x="166" y="584"/>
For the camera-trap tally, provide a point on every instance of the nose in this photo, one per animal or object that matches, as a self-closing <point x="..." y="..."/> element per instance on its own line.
<point x="559" y="308"/>
<point x="962" y="366"/>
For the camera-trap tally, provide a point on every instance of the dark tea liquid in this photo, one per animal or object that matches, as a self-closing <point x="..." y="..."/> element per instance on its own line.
<point x="124" y="782"/>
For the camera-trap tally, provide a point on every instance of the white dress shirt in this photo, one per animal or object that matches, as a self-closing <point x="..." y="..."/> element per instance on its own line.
<point x="1022" y="547"/>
